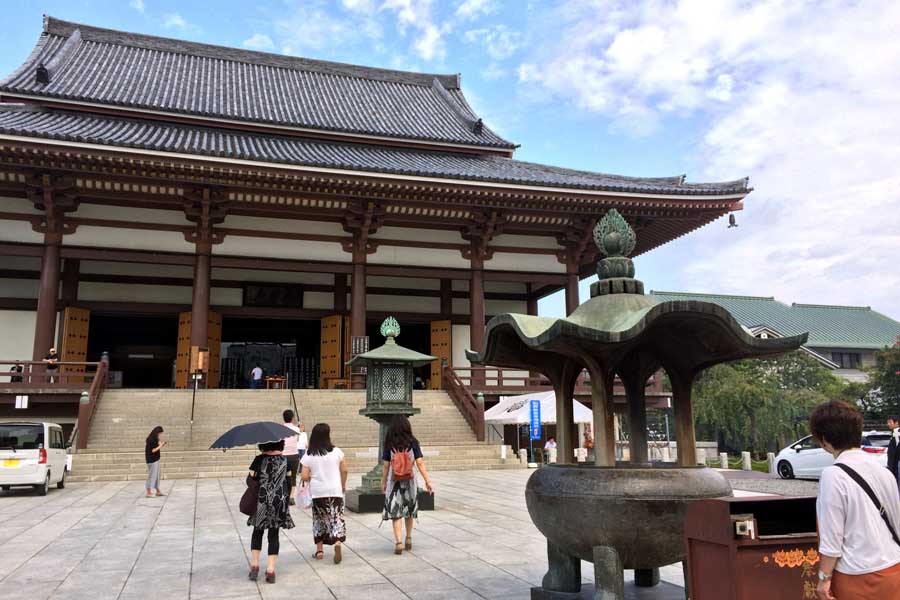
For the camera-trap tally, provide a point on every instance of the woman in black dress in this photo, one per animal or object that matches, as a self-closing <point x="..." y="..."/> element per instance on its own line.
<point x="398" y="479"/>
<point x="272" y="511"/>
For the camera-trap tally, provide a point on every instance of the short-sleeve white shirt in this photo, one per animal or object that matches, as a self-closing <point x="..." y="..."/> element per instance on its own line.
<point x="325" y="473"/>
<point x="257" y="373"/>
<point x="849" y="525"/>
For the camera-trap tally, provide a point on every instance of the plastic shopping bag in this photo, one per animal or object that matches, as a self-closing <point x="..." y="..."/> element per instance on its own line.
<point x="304" y="496"/>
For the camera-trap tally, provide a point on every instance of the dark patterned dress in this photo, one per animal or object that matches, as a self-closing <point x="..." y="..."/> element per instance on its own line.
<point x="329" y="526"/>
<point x="401" y="498"/>
<point x="272" y="509"/>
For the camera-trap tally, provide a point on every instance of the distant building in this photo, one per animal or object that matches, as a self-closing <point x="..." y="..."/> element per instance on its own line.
<point x="843" y="338"/>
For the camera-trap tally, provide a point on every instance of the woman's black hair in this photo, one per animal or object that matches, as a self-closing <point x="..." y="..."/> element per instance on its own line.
<point x="320" y="440"/>
<point x="270" y="446"/>
<point x="399" y="434"/>
<point x="155" y="433"/>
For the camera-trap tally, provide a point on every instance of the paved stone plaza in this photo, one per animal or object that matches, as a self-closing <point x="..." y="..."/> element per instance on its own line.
<point x="106" y="541"/>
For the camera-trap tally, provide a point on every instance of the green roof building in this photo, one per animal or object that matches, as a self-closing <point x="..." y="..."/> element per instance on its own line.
<point x="844" y="338"/>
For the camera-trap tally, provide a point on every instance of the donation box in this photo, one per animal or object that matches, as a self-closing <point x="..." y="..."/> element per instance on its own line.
<point x="752" y="548"/>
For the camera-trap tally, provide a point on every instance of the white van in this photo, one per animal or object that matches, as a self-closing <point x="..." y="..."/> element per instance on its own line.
<point x="32" y="454"/>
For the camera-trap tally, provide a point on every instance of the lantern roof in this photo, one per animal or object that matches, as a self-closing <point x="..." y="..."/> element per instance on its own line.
<point x="391" y="351"/>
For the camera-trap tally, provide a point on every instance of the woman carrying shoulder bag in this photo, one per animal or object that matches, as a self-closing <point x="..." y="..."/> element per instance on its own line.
<point x="398" y="479"/>
<point x="269" y="469"/>
<point x="858" y="512"/>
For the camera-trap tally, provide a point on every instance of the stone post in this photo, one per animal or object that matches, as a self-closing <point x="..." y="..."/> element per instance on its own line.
<point x="746" y="465"/>
<point x="771" y="458"/>
<point x="723" y="460"/>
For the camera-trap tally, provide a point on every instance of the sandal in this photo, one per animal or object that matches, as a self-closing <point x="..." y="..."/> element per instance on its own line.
<point x="337" y="555"/>
<point x="408" y="544"/>
<point x="270" y="577"/>
<point x="254" y="573"/>
<point x="398" y="548"/>
<point x="319" y="555"/>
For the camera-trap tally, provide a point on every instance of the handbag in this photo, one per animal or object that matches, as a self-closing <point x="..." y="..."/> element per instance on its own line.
<point x="250" y="498"/>
<point x="304" y="496"/>
<point x="869" y="492"/>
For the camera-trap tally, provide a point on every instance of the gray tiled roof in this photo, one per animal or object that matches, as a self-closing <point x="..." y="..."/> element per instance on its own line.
<point x="166" y="137"/>
<point x="828" y="326"/>
<point x="90" y="64"/>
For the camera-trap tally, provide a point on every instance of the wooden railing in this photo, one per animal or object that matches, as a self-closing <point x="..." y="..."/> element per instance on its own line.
<point x="491" y="379"/>
<point x="471" y="408"/>
<point x="34" y="374"/>
<point x="86" y="409"/>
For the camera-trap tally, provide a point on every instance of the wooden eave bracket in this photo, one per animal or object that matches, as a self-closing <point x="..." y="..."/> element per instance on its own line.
<point x="362" y="219"/>
<point x="206" y="208"/>
<point x="479" y="231"/>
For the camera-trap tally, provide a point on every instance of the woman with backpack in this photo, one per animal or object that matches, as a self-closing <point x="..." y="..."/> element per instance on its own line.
<point x="398" y="479"/>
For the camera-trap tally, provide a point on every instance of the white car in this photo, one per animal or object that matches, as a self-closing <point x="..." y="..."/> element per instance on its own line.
<point x="32" y="454"/>
<point x="805" y="459"/>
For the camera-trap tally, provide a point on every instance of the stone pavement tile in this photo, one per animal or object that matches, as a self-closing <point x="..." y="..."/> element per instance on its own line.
<point x="36" y="590"/>
<point x="497" y="587"/>
<point x="95" y="585"/>
<point x="308" y="590"/>
<point x="452" y="594"/>
<point x="463" y="570"/>
<point x="383" y="591"/>
<point x="393" y="564"/>
<point x="424" y="580"/>
<point x="530" y="572"/>
<point x="346" y="575"/>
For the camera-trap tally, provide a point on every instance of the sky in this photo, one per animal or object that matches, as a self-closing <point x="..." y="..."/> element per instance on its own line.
<point x="802" y="97"/>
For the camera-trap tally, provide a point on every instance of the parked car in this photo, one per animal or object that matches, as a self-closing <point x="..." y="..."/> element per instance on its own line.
<point x="805" y="459"/>
<point x="32" y="454"/>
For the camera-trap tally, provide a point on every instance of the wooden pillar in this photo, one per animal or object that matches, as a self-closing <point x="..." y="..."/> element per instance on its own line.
<point x="45" y="323"/>
<point x="340" y="293"/>
<point x="684" y="420"/>
<point x="200" y="300"/>
<point x="532" y="306"/>
<point x="476" y="311"/>
<point x="70" y="274"/>
<point x="446" y="298"/>
<point x="637" y="417"/>
<point x="572" y="299"/>
<point x="604" y="416"/>
<point x="564" y="389"/>
<point x="358" y="307"/>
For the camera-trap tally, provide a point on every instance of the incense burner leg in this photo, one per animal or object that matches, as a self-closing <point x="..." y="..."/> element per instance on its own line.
<point x="564" y="572"/>
<point x="609" y="576"/>
<point x="646" y="577"/>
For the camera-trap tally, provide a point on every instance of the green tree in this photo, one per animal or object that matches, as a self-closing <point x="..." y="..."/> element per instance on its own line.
<point x="885" y="379"/>
<point x="761" y="404"/>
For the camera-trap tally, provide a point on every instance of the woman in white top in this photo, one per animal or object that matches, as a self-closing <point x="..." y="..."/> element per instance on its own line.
<point x="860" y="558"/>
<point x="325" y="468"/>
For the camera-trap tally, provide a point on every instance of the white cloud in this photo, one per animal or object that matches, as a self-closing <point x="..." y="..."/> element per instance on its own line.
<point x="174" y="21"/>
<point x="470" y="9"/>
<point x="428" y="41"/>
<point x="492" y="72"/>
<point x="499" y="41"/>
<point x="137" y="5"/>
<point x="800" y="96"/>
<point x="259" y="41"/>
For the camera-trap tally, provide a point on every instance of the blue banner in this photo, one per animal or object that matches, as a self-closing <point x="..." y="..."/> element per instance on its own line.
<point x="535" y="425"/>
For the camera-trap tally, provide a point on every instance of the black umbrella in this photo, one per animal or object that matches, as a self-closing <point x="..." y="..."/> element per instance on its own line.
<point x="251" y="434"/>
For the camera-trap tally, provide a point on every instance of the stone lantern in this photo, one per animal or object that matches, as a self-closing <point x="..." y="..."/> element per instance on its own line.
<point x="389" y="386"/>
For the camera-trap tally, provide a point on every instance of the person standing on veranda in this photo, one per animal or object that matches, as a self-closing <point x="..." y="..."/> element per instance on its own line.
<point x="858" y="543"/>
<point x="291" y="454"/>
<point x="256" y="377"/>
<point x="325" y="468"/>
<point x="398" y="479"/>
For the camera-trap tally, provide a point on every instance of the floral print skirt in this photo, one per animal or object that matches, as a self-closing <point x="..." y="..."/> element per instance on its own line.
<point x="328" y="522"/>
<point x="401" y="501"/>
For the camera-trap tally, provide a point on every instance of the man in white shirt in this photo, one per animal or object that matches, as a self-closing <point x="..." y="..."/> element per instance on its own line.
<point x="256" y="375"/>
<point x="859" y="557"/>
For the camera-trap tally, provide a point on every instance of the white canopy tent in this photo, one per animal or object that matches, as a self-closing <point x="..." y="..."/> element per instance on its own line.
<point x="516" y="410"/>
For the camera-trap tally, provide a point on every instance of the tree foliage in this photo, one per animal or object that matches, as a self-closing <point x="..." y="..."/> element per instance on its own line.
<point x="885" y="380"/>
<point x="761" y="404"/>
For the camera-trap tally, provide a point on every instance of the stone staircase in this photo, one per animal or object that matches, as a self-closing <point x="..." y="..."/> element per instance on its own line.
<point x="123" y="418"/>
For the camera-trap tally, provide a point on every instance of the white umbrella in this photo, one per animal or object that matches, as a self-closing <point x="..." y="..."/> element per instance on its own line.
<point x="516" y="410"/>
